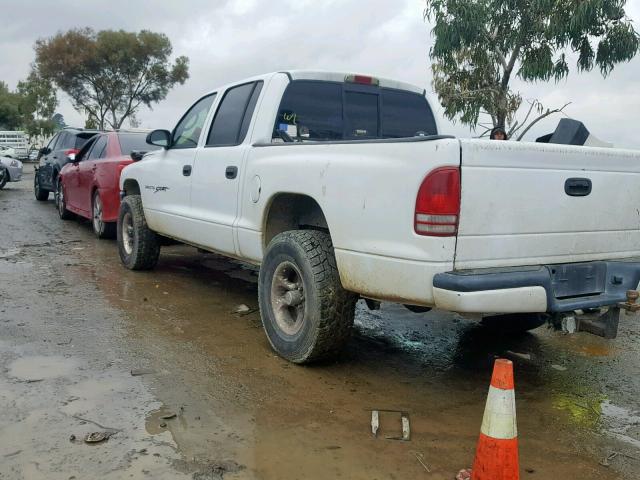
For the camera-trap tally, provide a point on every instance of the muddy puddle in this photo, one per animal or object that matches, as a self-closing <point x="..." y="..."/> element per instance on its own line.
<point x="32" y="369"/>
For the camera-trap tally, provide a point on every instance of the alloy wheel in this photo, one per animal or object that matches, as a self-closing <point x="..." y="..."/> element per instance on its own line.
<point x="98" y="225"/>
<point x="59" y="198"/>
<point x="127" y="233"/>
<point x="287" y="298"/>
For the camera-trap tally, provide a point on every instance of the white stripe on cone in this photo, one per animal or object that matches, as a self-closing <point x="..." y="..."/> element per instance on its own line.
<point x="499" y="420"/>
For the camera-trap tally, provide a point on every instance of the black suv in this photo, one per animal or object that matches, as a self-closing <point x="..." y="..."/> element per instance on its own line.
<point x="61" y="149"/>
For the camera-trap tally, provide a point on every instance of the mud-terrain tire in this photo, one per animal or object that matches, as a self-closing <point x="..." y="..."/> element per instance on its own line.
<point x="41" y="194"/>
<point x="138" y="245"/>
<point x="4" y="177"/>
<point x="101" y="228"/>
<point x="306" y="313"/>
<point x="514" y="322"/>
<point x="61" y="202"/>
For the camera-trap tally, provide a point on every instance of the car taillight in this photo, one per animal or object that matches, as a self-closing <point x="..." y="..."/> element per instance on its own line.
<point x="438" y="203"/>
<point x="71" y="153"/>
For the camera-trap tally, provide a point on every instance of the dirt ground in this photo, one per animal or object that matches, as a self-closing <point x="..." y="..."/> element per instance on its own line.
<point x="75" y="325"/>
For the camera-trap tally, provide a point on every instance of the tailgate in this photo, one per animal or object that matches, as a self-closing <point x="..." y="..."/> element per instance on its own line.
<point x="530" y="204"/>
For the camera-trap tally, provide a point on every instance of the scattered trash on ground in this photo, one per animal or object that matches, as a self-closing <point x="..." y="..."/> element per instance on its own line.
<point x="243" y="309"/>
<point x="97" y="437"/>
<point x="141" y="371"/>
<point x="375" y="422"/>
<point x="464" y="474"/>
<point x="404" y="419"/>
<point x="420" y="458"/>
<point x="520" y="356"/>
<point x="560" y="368"/>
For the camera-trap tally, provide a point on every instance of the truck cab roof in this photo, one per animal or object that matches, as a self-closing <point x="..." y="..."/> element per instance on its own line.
<point x="329" y="76"/>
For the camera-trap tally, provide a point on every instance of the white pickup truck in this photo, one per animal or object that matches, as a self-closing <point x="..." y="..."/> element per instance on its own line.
<point x="339" y="186"/>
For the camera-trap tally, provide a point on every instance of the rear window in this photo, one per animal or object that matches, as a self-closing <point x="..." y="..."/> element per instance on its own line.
<point x="325" y="111"/>
<point x="130" y="142"/>
<point x="405" y="114"/>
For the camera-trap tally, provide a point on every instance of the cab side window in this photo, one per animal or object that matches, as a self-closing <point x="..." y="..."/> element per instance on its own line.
<point x="187" y="132"/>
<point x="233" y="117"/>
<point x="54" y="141"/>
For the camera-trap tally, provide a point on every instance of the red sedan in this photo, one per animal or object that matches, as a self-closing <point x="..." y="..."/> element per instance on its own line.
<point x="88" y="186"/>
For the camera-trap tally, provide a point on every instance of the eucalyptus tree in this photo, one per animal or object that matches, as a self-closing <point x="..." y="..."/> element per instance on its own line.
<point x="481" y="45"/>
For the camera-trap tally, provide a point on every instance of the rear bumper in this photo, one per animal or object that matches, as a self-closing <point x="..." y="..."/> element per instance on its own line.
<point x="15" y="173"/>
<point x="547" y="288"/>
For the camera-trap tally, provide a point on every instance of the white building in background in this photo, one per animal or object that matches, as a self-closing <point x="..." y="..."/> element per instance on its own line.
<point x="16" y="140"/>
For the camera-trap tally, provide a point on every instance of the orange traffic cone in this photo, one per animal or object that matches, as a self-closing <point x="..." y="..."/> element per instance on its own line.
<point x="497" y="452"/>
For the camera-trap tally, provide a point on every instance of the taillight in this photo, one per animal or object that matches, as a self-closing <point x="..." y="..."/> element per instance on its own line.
<point x="362" y="80"/>
<point x="71" y="153"/>
<point x="438" y="203"/>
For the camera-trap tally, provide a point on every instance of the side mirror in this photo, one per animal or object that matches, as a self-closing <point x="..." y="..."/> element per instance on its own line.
<point x="45" y="151"/>
<point x="159" y="138"/>
<point x="137" y="155"/>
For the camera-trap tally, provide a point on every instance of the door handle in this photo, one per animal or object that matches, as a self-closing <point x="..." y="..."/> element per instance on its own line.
<point x="577" y="187"/>
<point x="231" y="172"/>
<point x="186" y="170"/>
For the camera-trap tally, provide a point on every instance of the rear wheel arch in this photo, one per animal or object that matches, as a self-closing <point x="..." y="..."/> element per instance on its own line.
<point x="101" y="228"/>
<point x="94" y="189"/>
<point x="292" y="211"/>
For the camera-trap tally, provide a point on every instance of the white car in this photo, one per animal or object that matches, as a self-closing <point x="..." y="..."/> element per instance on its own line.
<point x="10" y="171"/>
<point x="340" y="186"/>
<point x="7" y="152"/>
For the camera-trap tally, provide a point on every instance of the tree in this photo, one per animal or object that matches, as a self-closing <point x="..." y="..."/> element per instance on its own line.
<point x="9" y="108"/>
<point x="109" y="74"/>
<point x="38" y="101"/>
<point x="91" y="123"/>
<point x="481" y="45"/>
<point x="58" y="121"/>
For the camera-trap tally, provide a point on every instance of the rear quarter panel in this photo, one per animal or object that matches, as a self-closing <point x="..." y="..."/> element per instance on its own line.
<point x="106" y="181"/>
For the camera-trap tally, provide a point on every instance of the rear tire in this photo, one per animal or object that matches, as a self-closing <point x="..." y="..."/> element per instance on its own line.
<point x="61" y="202"/>
<point x="41" y="194"/>
<point x="100" y="228"/>
<point x="138" y="245"/>
<point x="514" y="322"/>
<point x="4" y="177"/>
<point x="306" y="313"/>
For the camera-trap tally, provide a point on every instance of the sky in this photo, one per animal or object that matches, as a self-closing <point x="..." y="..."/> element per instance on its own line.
<point x="227" y="41"/>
